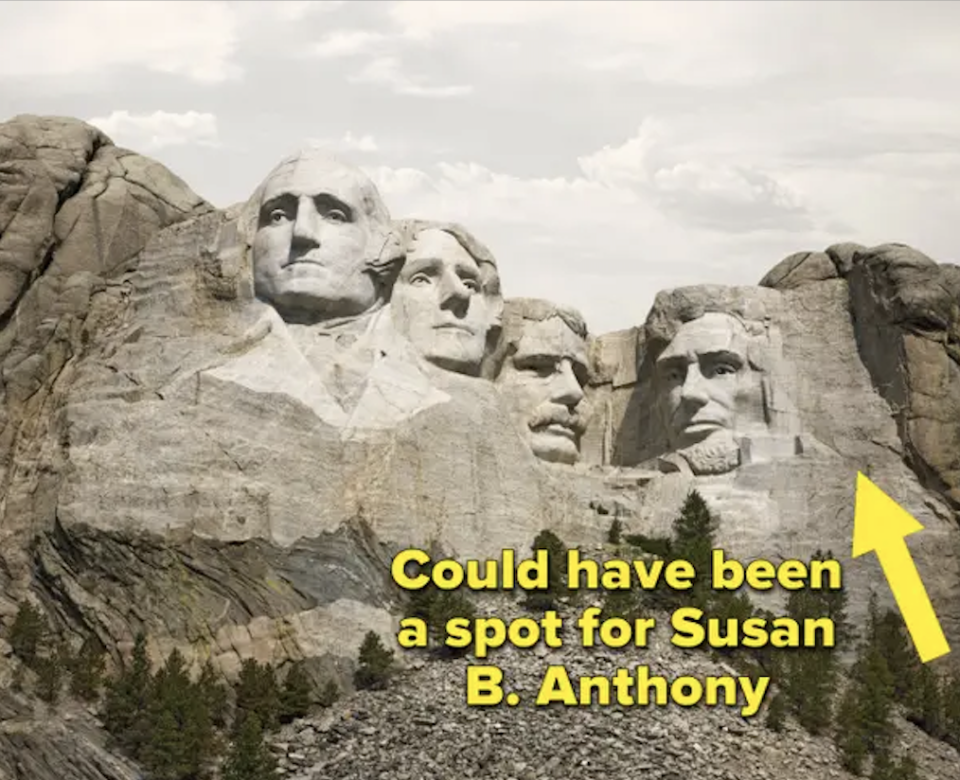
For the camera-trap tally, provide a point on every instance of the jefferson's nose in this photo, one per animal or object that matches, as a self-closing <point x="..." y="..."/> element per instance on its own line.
<point x="306" y="227"/>
<point x="565" y="388"/>
<point x="453" y="292"/>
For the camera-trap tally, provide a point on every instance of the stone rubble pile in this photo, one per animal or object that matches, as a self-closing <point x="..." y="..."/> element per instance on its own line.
<point x="420" y="728"/>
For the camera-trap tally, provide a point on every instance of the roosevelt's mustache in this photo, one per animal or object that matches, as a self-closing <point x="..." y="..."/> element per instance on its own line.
<point x="549" y="414"/>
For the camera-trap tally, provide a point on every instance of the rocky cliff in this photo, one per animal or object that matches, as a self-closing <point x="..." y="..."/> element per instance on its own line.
<point x="199" y="440"/>
<point x="848" y="381"/>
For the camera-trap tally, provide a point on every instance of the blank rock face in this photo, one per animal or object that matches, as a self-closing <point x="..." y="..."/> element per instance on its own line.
<point x="902" y="310"/>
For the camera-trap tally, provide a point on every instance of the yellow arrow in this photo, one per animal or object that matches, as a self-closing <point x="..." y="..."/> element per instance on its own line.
<point x="880" y="524"/>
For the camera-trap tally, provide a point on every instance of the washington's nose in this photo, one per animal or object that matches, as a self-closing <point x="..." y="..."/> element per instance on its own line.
<point x="306" y="227"/>
<point x="454" y="294"/>
<point x="566" y="388"/>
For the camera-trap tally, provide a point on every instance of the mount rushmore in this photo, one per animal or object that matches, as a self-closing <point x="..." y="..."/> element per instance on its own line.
<point x="218" y="425"/>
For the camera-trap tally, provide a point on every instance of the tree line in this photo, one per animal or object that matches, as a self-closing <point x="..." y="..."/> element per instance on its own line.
<point x="174" y="726"/>
<point x="856" y="705"/>
<point x="180" y="729"/>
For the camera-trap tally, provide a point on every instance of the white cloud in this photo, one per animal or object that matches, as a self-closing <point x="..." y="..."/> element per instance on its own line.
<point x="348" y="143"/>
<point x="423" y="19"/>
<point x="722" y="136"/>
<point x="705" y="42"/>
<point x="149" y="132"/>
<point x="629" y="162"/>
<point x="606" y="247"/>
<point x="347" y="43"/>
<point x="198" y="39"/>
<point x="295" y="10"/>
<point x="695" y="42"/>
<point x="713" y="195"/>
<point x="406" y="185"/>
<point x="385" y="71"/>
<point x="195" y="39"/>
<point x="726" y="195"/>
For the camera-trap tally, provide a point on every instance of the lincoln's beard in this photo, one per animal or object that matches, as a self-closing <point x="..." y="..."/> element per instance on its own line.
<point x="719" y="453"/>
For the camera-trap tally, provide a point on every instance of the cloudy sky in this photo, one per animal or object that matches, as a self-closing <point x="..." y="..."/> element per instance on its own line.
<point x="604" y="151"/>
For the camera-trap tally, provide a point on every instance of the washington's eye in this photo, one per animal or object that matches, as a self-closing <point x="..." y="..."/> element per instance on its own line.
<point x="471" y="284"/>
<point x="277" y="216"/>
<point x="336" y="215"/>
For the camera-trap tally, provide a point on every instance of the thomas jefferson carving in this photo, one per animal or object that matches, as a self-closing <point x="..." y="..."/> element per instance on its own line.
<point x="446" y="299"/>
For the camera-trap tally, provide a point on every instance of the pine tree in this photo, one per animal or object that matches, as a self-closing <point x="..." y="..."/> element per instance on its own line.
<point x="849" y="733"/>
<point x="658" y="546"/>
<point x="181" y="732"/>
<point x="728" y="605"/>
<point x="556" y="572"/>
<point x="883" y="767"/>
<point x="296" y="695"/>
<point x="163" y="753"/>
<point x="257" y="692"/>
<point x="376" y="663"/>
<point x="770" y="660"/>
<point x="808" y="679"/>
<point x="693" y="540"/>
<point x="809" y="674"/>
<point x="833" y="604"/>
<point x="875" y="687"/>
<point x="435" y="606"/>
<point x="28" y="633"/>
<point x="925" y="705"/>
<point x="125" y="714"/>
<point x="86" y="670"/>
<point x="616" y="530"/>
<point x="196" y="726"/>
<point x="622" y="603"/>
<point x="777" y="712"/>
<point x="951" y="709"/>
<point x="811" y="681"/>
<point x="214" y="691"/>
<point x="249" y="758"/>
<point x="887" y="632"/>
<point x="420" y="602"/>
<point x="329" y="694"/>
<point x="907" y="769"/>
<point x="49" y="670"/>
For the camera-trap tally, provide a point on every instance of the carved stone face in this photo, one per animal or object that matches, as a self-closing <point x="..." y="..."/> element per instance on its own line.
<point x="316" y="230"/>
<point x="542" y="383"/>
<point x="438" y="303"/>
<point x="706" y="385"/>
